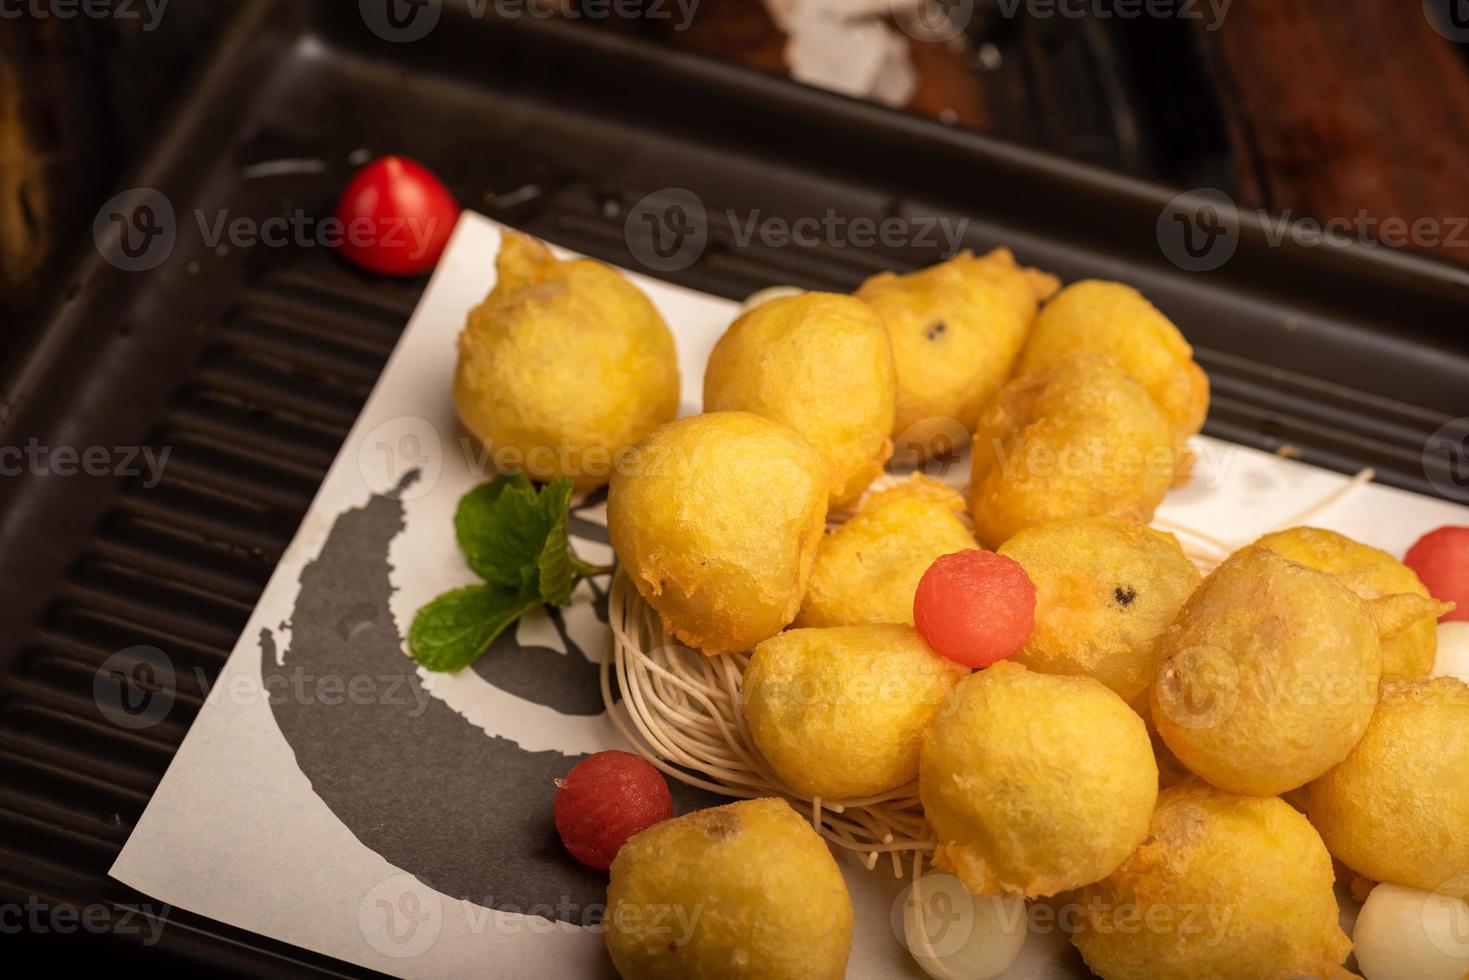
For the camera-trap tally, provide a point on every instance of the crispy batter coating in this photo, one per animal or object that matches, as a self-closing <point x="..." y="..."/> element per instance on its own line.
<point x="956" y="329"/>
<point x="1269" y="675"/>
<point x="563" y="366"/>
<point x="743" y="890"/>
<point x="1116" y="321"/>
<point x="716" y="519"/>
<point x="822" y="364"/>
<point x="1397" y="808"/>
<point x="840" y="713"/>
<point x="868" y="568"/>
<point x="1035" y="783"/>
<point x="1225" y="887"/>
<point x="1077" y="439"/>
<point x="1106" y="590"/>
<point x="1408" y="652"/>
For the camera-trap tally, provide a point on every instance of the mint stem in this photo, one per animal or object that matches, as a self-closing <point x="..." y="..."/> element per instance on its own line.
<point x="586" y="569"/>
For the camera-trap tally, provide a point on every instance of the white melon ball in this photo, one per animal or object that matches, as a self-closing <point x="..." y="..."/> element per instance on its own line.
<point x="1407" y="934"/>
<point x="954" y="935"/>
<point x="1453" y="651"/>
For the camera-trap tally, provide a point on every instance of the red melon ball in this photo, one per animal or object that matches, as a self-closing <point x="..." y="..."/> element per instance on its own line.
<point x="1441" y="559"/>
<point x="975" y="607"/>
<point x="606" y="799"/>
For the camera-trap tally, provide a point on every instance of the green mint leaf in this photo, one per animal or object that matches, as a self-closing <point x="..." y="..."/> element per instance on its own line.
<point x="557" y="577"/>
<point x="452" y="631"/>
<point x="501" y="528"/>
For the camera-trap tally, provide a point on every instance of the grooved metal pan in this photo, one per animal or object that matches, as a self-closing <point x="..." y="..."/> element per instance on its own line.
<point x="248" y="364"/>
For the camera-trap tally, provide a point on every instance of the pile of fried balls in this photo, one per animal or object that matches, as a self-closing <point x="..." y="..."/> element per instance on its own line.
<point x="1194" y="764"/>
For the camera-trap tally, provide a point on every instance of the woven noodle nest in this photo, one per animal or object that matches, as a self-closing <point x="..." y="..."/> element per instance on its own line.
<point x="681" y="710"/>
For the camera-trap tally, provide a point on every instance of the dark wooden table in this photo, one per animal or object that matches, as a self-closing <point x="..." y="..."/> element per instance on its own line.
<point x="1355" y="110"/>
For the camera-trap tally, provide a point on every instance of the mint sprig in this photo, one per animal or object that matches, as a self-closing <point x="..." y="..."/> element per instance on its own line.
<point x="515" y="538"/>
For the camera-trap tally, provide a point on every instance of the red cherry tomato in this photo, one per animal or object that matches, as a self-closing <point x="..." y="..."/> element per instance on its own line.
<point x="1441" y="559"/>
<point x="606" y="799"/>
<point x="396" y="217"/>
<point x="975" y="607"/>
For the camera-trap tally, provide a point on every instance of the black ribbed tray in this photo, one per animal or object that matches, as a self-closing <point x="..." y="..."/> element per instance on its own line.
<point x="249" y="365"/>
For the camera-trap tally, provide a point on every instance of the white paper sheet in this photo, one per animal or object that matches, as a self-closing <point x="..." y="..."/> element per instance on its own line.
<point x="241" y="830"/>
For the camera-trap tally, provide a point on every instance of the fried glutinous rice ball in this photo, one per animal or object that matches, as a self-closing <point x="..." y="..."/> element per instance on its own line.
<point x="1269" y="675"/>
<point x="822" y="364"/>
<point x="840" y="712"/>
<point x="563" y="366"/>
<point x="716" y="519"/>
<point x="868" y="568"/>
<point x="1115" y="321"/>
<point x="1397" y="808"/>
<point x="1106" y="590"/>
<point x="1225" y="887"/>
<point x="1407" y="652"/>
<point x="1077" y="439"/>
<point x="956" y="329"/>
<point x="1035" y="783"/>
<point x="744" y="890"/>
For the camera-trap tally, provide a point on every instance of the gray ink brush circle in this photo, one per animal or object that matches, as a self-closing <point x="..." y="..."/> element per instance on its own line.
<point x="466" y="813"/>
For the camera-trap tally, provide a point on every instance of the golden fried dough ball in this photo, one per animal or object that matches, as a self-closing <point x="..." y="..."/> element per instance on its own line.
<point x="921" y="486"/>
<point x="1269" y="675"/>
<point x="1397" y="808"/>
<point x="868" y="568"/>
<point x="1407" y="654"/>
<point x="822" y="364"/>
<point x="563" y="366"/>
<point x="745" y="890"/>
<point x="716" y="519"/>
<point x="1035" y="783"/>
<point x="956" y="329"/>
<point x="839" y="713"/>
<point x="1075" y="440"/>
<point x="1117" y="322"/>
<point x="1225" y="887"/>
<point x="1106" y="590"/>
